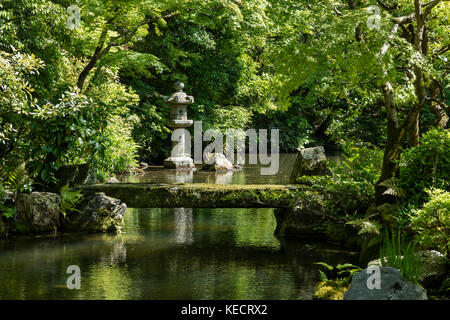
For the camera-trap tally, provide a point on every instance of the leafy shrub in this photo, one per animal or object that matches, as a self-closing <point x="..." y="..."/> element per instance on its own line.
<point x="119" y="152"/>
<point x="432" y="222"/>
<point x="427" y="165"/>
<point x="73" y="127"/>
<point x="16" y="179"/>
<point x="343" y="195"/>
<point x="5" y="211"/>
<point x="360" y="164"/>
<point x="351" y="187"/>
<point x="396" y="253"/>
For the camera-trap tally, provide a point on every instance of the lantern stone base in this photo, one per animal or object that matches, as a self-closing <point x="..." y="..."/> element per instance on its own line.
<point x="179" y="163"/>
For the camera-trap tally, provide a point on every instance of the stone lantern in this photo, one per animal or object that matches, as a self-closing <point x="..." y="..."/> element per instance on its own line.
<point x="178" y="119"/>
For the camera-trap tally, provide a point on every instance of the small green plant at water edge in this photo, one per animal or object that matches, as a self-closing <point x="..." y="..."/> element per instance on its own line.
<point x="396" y="253"/>
<point x="334" y="280"/>
<point x="7" y="212"/>
<point x="70" y="200"/>
<point x="340" y="271"/>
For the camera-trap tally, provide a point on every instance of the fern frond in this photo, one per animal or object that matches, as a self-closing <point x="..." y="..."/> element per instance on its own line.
<point x="393" y="187"/>
<point x="366" y="226"/>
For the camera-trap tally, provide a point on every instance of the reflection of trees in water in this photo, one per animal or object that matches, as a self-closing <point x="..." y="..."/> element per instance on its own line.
<point x="117" y="252"/>
<point x="230" y="254"/>
<point x="183" y="225"/>
<point x="224" y="177"/>
<point x="181" y="176"/>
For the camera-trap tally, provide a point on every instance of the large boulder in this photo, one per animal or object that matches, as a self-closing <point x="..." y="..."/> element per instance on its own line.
<point x="96" y="213"/>
<point x="392" y="287"/>
<point x="432" y="268"/>
<point x="310" y="162"/>
<point x="38" y="212"/>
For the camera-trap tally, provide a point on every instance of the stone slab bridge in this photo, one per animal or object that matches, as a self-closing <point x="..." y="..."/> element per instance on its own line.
<point x="198" y="195"/>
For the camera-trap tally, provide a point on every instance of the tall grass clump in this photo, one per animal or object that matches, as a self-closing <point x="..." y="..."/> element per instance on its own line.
<point x="397" y="253"/>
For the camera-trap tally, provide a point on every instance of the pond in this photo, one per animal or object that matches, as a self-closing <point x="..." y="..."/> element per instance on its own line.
<point x="250" y="174"/>
<point x="174" y="253"/>
<point x="170" y="254"/>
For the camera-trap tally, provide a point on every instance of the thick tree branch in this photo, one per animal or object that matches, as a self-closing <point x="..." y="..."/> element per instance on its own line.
<point x="386" y="6"/>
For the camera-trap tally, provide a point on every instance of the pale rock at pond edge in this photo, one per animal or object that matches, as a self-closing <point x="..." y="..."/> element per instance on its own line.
<point x="218" y="162"/>
<point x="113" y="180"/>
<point x="38" y="212"/>
<point x="97" y="213"/>
<point x="310" y="162"/>
<point x="392" y="287"/>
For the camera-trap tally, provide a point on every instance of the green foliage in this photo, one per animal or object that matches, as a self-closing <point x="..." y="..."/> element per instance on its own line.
<point x="69" y="200"/>
<point x="15" y="179"/>
<point x="361" y="163"/>
<point x="119" y="154"/>
<point x="366" y="226"/>
<point x="432" y="221"/>
<point x="352" y="183"/>
<point x="4" y="210"/>
<point x="396" y="253"/>
<point x="353" y="197"/>
<point x="339" y="271"/>
<point x="394" y="187"/>
<point x="8" y="212"/>
<point x="427" y="165"/>
<point x="63" y="131"/>
<point x="16" y="103"/>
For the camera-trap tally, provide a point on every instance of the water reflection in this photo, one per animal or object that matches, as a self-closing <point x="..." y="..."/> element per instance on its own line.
<point x="250" y="174"/>
<point x="181" y="176"/>
<point x="183" y="225"/>
<point x="169" y="254"/>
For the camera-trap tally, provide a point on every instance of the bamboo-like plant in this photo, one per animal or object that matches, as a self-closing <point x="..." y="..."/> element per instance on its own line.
<point x="396" y="253"/>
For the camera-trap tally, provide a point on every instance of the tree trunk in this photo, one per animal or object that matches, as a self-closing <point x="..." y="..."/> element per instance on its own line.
<point x="99" y="52"/>
<point x="414" y="133"/>
<point x="389" y="168"/>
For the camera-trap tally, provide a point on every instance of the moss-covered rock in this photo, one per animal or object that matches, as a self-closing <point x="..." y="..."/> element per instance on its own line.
<point x="198" y="195"/>
<point x="310" y="162"/>
<point x="38" y="212"/>
<point x="96" y="213"/>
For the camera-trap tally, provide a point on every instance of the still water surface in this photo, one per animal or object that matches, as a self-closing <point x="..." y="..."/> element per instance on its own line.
<point x="250" y="174"/>
<point x="170" y="254"/>
<point x="174" y="253"/>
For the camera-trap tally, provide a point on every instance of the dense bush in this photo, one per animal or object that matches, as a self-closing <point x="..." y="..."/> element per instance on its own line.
<point x="119" y="154"/>
<point x="432" y="221"/>
<point x="427" y="165"/>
